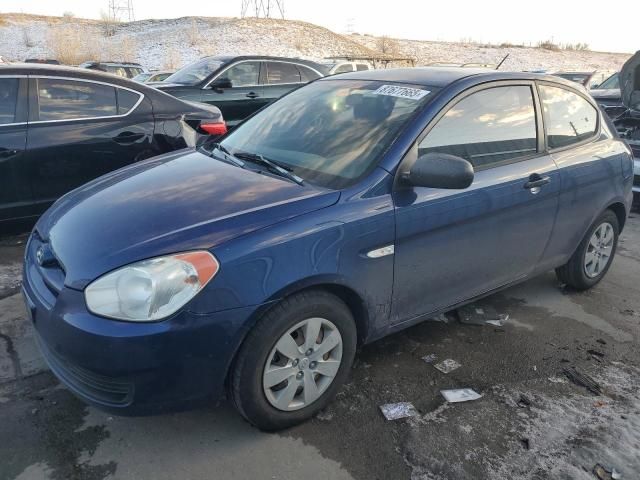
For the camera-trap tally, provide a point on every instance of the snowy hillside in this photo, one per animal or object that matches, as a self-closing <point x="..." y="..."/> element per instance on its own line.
<point x="175" y="42"/>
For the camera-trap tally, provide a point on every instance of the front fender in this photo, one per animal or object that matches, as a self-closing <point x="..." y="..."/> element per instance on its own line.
<point x="325" y="247"/>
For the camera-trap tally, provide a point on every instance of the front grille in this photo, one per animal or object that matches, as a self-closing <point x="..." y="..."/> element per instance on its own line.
<point x="636" y="180"/>
<point x="47" y="280"/>
<point x="636" y="150"/>
<point x="98" y="388"/>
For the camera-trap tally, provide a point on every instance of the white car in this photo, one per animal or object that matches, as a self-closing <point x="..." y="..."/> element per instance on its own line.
<point x="336" y="67"/>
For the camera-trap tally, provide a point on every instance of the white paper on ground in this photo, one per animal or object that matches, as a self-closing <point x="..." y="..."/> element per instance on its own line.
<point x="448" y="365"/>
<point x="460" y="395"/>
<point x="395" y="411"/>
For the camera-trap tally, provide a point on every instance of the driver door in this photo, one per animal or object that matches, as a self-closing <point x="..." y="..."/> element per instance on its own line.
<point x="453" y="245"/>
<point x="245" y="95"/>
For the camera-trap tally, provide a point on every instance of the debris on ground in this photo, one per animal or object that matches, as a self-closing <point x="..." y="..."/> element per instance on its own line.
<point x="440" y="318"/>
<point x="448" y="365"/>
<point x="432" y="357"/>
<point x="601" y="341"/>
<point x="526" y="443"/>
<point x="460" y="395"/>
<point x="485" y="315"/>
<point x="396" y="411"/>
<point x="557" y="380"/>
<point x="524" y="401"/>
<point x="583" y="380"/>
<point x="603" y="473"/>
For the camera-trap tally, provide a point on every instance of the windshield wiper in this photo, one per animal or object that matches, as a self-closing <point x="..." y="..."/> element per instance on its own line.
<point x="228" y="156"/>
<point x="274" y="166"/>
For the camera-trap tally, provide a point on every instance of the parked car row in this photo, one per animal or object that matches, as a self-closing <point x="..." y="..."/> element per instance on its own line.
<point x="61" y="127"/>
<point x="351" y="208"/>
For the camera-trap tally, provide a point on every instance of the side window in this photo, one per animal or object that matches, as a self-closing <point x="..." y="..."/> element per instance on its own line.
<point x="126" y="100"/>
<point x="68" y="99"/>
<point x="362" y="66"/>
<point x="243" y="74"/>
<point x="568" y="117"/>
<point x="278" y="73"/>
<point x="347" y="67"/>
<point x="8" y="100"/>
<point x="306" y="74"/>
<point x="133" y="71"/>
<point x="487" y="127"/>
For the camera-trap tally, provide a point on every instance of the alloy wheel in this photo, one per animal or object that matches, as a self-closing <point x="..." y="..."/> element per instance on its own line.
<point x="599" y="249"/>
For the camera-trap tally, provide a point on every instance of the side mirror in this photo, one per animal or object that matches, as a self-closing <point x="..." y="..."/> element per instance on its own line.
<point x="221" y="83"/>
<point x="440" y="170"/>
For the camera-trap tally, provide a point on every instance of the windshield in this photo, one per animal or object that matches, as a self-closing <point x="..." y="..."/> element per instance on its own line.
<point x="141" y="77"/>
<point x="612" y="82"/>
<point x="332" y="132"/>
<point x="195" y="73"/>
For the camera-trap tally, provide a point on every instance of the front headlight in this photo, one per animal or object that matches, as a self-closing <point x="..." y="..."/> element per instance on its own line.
<point x="152" y="289"/>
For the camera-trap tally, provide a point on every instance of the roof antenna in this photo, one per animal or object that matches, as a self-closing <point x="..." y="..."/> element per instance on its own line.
<point x="502" y="61"/>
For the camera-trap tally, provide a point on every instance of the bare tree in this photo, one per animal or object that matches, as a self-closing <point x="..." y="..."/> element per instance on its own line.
<point x="193" y="34"/>
<point x="109" y="23"/>
<point x="387" y="45"/>
<point x="26" y="37"/>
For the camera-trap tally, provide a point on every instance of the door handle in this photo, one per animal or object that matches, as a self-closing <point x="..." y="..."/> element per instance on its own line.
<point x="128" y="137"/>
<point x="8" y="153"/>
<point x="536" y="181"/>
<point x="252" y="95"/>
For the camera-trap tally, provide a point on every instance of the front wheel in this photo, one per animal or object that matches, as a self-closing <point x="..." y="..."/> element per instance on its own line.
<point x="591" y="261"/>
<point x="294" y="360"/>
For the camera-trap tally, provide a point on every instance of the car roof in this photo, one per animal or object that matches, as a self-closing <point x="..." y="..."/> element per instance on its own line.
<point x="228" y="58"/>
<point x="443" y="76"/>
<point x="65" y="71"/>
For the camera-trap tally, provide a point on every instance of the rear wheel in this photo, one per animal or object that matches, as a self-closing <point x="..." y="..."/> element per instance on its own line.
<point x="592" y="259"/>
<point x="294" y="360"/>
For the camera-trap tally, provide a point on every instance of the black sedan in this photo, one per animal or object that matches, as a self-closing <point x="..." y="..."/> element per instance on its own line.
<point x="61" y="127"/>
<point x="242" y="85"/>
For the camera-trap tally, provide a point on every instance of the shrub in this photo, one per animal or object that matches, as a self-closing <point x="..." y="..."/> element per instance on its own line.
<point x="548" y="45"/>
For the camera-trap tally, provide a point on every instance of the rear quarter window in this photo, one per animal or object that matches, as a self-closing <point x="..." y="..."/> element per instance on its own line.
<point x="569" y="118"/>
<point x="126" y="100"/>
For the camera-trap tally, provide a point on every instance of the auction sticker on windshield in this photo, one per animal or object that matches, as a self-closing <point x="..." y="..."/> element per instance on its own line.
<point x="402" y="92"/>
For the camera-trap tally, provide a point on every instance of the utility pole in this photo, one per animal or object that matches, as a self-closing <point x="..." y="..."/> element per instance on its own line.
<point x="262" y="8"/>
<point x="121" y="10"/>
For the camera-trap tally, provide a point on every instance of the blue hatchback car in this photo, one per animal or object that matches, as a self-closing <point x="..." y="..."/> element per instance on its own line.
<point x="351" y="208"/>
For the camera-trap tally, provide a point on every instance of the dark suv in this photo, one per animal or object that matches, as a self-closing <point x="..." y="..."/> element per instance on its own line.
<point x="122" y="69"/>
<point x="239" y="86"/>
<point x="62" y="126"/>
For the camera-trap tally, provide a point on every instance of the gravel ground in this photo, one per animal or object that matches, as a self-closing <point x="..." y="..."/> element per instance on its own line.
<point x="531" y="422"/>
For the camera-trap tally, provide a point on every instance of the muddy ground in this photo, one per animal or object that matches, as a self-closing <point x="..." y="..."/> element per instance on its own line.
<point x="559" y="430"/>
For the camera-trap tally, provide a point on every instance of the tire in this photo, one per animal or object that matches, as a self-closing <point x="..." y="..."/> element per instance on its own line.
<point x="575" y="273"/>
<point x="260" y="358"/>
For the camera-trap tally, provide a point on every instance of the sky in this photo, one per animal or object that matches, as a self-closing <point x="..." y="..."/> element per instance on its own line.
<point x="485" y="21"/>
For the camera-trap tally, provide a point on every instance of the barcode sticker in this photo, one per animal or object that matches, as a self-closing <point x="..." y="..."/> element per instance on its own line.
<point x="402" y="92"/>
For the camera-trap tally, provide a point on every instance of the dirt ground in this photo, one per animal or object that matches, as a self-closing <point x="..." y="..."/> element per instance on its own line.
<point x="531" y="422"/>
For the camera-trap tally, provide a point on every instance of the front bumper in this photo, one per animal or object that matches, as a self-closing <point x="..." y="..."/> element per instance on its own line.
<point x="130" y="368"/>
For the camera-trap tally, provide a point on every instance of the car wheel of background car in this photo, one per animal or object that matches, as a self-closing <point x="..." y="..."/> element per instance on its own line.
<point x="294" y="360"/>
<point x="592" y="259"/>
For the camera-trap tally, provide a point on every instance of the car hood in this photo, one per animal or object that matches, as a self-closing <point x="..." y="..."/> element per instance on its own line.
<point x="177" y="202"/>
<point x="630" y="82"/>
